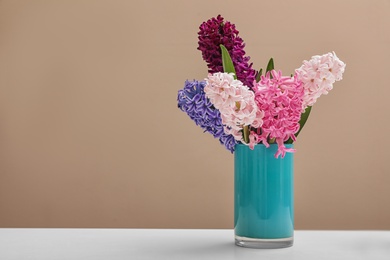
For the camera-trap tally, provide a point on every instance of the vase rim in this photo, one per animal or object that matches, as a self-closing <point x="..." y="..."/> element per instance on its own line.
<point x="274" y="144"/>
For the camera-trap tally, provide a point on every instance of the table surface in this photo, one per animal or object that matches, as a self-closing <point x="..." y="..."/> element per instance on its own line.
<point x="183" y="244"/>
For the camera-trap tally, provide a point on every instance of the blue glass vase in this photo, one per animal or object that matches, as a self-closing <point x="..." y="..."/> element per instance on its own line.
<point x="263" y="197"/>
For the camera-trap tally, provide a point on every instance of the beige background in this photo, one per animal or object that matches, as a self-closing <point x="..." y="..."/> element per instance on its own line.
<point x="90" y="135"/>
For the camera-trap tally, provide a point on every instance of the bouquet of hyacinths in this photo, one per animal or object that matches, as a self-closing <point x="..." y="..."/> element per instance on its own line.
<point x="238" y="104"/>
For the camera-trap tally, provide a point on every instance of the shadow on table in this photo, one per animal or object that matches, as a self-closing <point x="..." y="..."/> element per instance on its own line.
<point x="224" y="250"/>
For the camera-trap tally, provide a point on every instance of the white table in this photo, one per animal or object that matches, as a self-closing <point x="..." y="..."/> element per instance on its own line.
<point x="129" y="244"/>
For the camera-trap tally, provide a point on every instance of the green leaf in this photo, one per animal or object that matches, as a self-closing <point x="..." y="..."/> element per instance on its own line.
<point x="227" y="62"/>
<point x="304" y="117"/>
<point x="259" y="75"/>
<point x="302" y="122"/>
<point x="270" y="65"/>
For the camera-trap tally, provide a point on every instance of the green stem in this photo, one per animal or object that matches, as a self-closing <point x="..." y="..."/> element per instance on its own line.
<point x="245" y="131"/>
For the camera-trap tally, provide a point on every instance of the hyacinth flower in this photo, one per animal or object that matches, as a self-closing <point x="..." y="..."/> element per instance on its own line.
<point x="280" y="98"/>
<point x="192" y="100"/>
<point x="318" y="76"/>
<point x="215" y="32"/>
<point x="235" y="102"/>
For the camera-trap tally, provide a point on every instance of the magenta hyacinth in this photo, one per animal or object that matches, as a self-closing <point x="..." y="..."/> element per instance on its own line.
<point x="216" y="31"/>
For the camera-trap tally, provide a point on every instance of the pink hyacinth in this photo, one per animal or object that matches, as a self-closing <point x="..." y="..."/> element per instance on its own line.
<point x="281" y="99"/>
<point x="235" y="102"/>
<point x="318" y="76"/>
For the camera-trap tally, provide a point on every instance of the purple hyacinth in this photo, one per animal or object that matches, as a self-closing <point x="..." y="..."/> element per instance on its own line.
<point x="192" y="100"/>
<point x="215" y="32"/>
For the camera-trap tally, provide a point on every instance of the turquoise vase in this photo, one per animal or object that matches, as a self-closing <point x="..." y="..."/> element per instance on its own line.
<point x="263" y="197"/>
